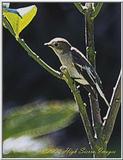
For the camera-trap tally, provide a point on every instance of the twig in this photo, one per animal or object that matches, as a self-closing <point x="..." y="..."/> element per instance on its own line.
<point x="95" y="113"/>
<point x="97" y="9"/>
<point x="111" y="115"/>
<point x="91" y="55"/>
<point x="89" y="35"/>
<point x="80" y="7"/>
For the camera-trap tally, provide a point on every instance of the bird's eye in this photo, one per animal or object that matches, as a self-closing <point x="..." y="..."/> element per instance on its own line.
<point x="56" y="44"/>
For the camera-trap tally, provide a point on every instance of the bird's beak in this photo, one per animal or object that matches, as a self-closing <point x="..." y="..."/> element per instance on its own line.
<point x="47" y="44"/>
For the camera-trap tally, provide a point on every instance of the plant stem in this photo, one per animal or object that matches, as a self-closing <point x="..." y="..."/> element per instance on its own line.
<point x="95" y="113"/>
<point x="81" y="105"/>
<point x="91" y="55"/>
<point x="80" y="7"/>
<point x="112" y="112"/>
<point x="109" y="120"/>
<point x="89" y="35"/>
<point x="98" y="7"/>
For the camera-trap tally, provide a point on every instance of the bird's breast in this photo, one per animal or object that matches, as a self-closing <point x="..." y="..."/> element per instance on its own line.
<point x="66" y="60"/>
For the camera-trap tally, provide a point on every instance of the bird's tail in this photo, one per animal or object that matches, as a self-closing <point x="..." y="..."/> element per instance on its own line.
<point x="90" y="90"/>
<point x="102" y="95"/>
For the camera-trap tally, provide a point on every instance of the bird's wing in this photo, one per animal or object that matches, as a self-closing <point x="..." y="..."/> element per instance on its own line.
<point x="84" y="67"/>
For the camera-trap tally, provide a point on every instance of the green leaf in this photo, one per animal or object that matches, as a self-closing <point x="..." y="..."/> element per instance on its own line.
<point x="38" y="119"/>
<point x="28" y="155"/>
<point x="19" y="18"/>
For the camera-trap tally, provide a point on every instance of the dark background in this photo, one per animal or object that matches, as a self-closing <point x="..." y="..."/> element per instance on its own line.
<point x="25" y="81"/>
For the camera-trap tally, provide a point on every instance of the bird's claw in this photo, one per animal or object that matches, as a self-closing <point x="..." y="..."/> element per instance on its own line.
<point x="63" y="69"/>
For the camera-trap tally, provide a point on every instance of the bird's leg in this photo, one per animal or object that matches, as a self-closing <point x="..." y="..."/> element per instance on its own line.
<point x="63" y="69"/>
<point x="63" y="72"/>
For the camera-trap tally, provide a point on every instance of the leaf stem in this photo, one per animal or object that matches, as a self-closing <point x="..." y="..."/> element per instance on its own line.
<point x="31" y="53"/>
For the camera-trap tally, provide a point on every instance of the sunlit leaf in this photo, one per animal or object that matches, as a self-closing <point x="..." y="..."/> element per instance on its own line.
<point x="38" y="119"/>
<point x="20" y="18"/>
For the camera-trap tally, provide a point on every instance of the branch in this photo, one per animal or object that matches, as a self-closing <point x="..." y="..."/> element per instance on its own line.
<point x="80" y="7"/>
<point x="97" y="9"/>
<point x="91" y="55"/>
<point x="95" y="113"/>
<point x="112" y="112"/>
<point x="32" y="54"/>
<point x="81" y="105"/>
<point x="89" y="35"/>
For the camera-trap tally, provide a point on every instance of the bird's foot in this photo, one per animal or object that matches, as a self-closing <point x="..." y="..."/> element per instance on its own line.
<point x="63" y="69"/>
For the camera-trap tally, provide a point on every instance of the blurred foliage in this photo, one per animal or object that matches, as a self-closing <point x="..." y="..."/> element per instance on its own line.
<point x="19" y="18"/>
<point x="38" y="119"/>
<point x="28" y="155"/>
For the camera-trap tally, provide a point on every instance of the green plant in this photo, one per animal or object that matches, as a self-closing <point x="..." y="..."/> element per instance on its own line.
<point x="15" y="21"/>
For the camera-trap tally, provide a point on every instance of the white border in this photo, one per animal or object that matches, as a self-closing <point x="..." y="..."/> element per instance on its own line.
<point x="1" y="76"/>
<point x="1" y="82"/>
<point x="121" y="80"/>
<point x="116" y="1"/>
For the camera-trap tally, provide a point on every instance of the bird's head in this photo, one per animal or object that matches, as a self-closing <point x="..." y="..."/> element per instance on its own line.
<point x="59" y="45"/>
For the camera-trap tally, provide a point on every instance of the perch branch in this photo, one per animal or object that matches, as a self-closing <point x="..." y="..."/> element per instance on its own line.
<point x="81" y="105"/>
<point x="91" y="55"/>
<point x="112" y="112"/>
